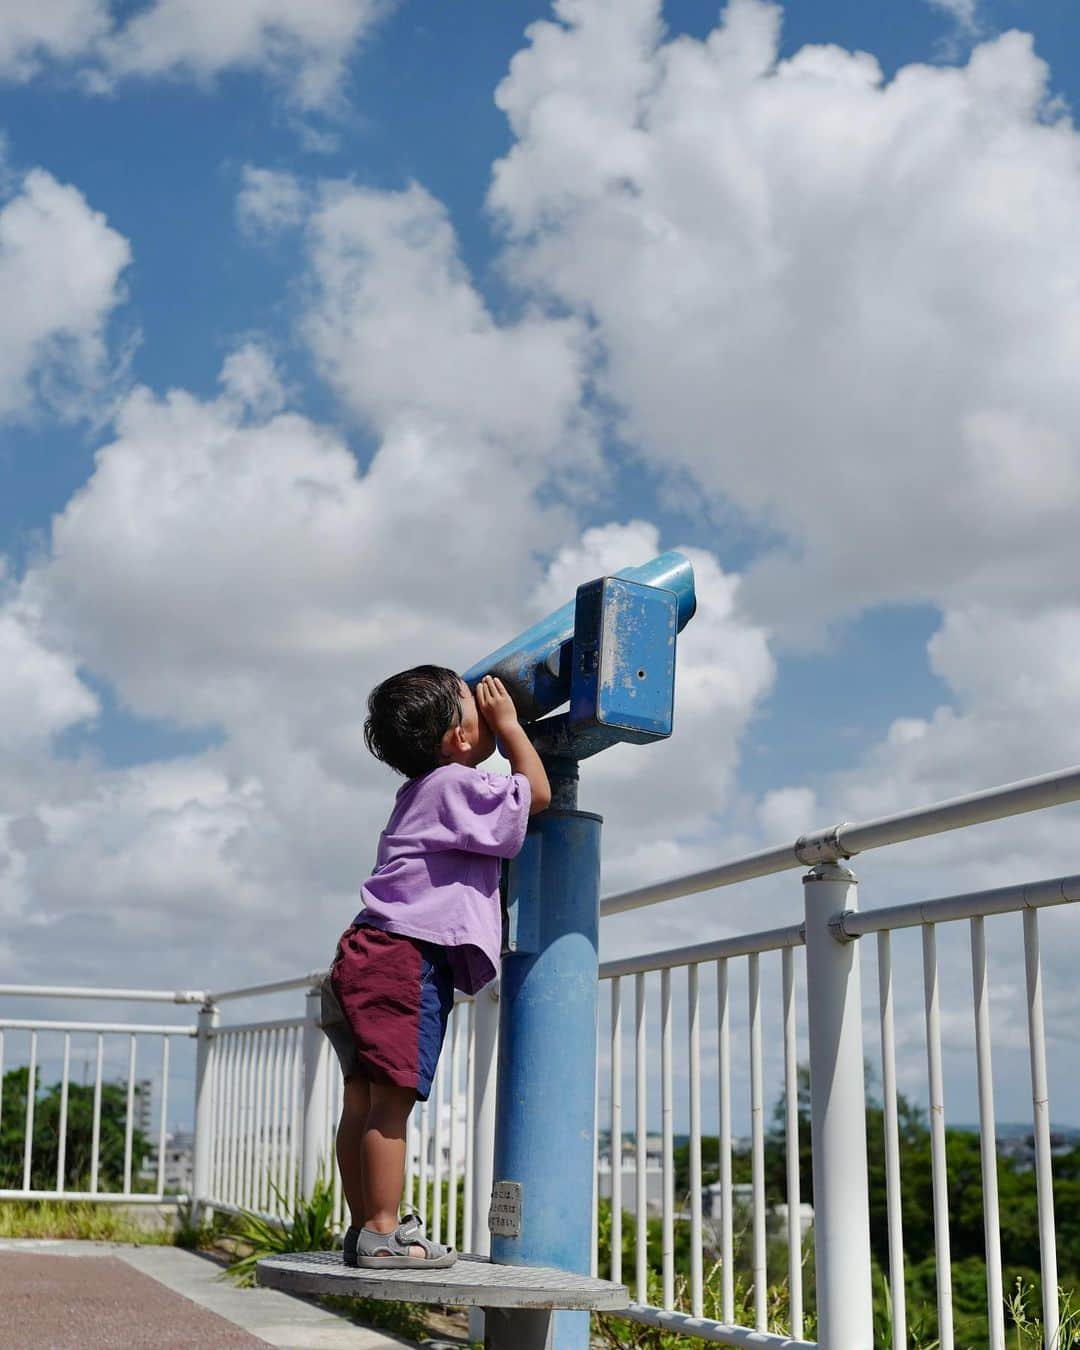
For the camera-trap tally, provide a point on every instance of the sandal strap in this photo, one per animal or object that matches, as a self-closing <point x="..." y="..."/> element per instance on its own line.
<point x="409" y="1233"/>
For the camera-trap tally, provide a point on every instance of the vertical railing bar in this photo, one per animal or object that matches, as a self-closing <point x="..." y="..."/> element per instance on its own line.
<point x="250" y="1082"/>
<point x="791" y="1143"/>
<point x="329" y="1152"/>
<point x="938" y="1161"/>
<point x="470" y="1141"/>
<point x="641" y="1144"/>
<point x="265" y="1118"/>
<point x="249" y="1134"/>
<point x="616" y="1129"/>
<point x="239" y="1132"/>
<point x="757" y="1143"/>
<point x="95" y="1135"/>
<point x="253" y="1121"/>
<point x="294" y="1119"/>
<point x="247" y="1121"/>
<point x="281" y="1131"/>
<point x="273" y="1040"/>
<point x="727" y="1223"/>
<point x="129" y="1122"/>
<point x="285" y="1160"/>
<point x="31" y="1095"/>
<point x="894" y="1209"/>
<point x="256" y="1122"/>
<point x="1040" y="1101"/>
<point x="422" y="1177"/>
<point x="668" y="1133"/>
<point x="987" y="1133"/>
<point x="163" y="1122"/>
<point x="212" y="1075"/>
<point x="457" y="1018"/>
<point x="235" y="1196"/>
<point x="214" y="1184"/>
<point x="337" y="1095"/>
<point x="220" y="1048"/>
<point x="280" y="1161"/>
<point x="227" y="1044"/>
<point x="411" y="1163"/>
<point x="697" y="1278"/>
<point x="224" y="1056"/>
<point x="594" y="1225"/>
<point x="61" y="1130"/>
<point x="268" y="1123"/>
<point x="437" y="1160"/>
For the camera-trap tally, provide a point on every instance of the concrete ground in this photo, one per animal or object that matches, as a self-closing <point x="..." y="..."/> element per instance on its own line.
<point x="58" y="1295"/>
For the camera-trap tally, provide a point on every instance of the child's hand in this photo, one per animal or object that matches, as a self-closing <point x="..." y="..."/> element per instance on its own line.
<point x="495" y="705"/>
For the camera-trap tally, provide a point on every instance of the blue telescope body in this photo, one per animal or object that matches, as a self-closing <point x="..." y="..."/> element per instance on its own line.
<point x="537" y="666"/>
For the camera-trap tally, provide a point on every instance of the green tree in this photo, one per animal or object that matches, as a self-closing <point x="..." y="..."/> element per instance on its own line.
<point x="80" y="1117"/>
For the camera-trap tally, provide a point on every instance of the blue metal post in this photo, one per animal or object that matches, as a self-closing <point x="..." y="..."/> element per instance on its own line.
<point x="547" y="1059"/>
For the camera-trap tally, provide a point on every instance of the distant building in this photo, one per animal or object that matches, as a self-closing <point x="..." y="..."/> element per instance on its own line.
<point x="179" y="1162"/>
<point x="654" y="1183"/>
<point x="143" y="1103"/>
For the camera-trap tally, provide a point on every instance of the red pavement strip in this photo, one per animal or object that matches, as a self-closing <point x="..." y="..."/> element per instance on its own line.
<point x="100" y="1303"/>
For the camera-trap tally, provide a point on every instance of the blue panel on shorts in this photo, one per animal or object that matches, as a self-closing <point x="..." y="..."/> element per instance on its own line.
<point x="436" y="1004"/>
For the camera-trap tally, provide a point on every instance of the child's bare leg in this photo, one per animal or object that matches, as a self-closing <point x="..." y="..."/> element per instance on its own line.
<point x="384" y="1156"/>
<point x="355" y="1106"/>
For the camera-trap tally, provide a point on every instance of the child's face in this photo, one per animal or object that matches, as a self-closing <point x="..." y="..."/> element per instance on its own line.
<point x="472" y="740"/>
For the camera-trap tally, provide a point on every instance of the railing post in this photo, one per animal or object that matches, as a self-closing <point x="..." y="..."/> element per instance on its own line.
<point x="838" y="1115"/>
<point x="313" y="1162"/>
<point x="203" y="1142"/>
<point x="485" y="1059"/>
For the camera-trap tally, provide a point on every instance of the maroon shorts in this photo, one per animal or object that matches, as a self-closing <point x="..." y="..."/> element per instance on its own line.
<point x="385" y="1005"/>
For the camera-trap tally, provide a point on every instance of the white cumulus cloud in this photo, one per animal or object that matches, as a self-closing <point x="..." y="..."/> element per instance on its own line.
<point x="50" y="29"/>
<point x="848" y="306"/>
<point x="61" y="265"/>
<point x="302" y="48"/>
<point x="397" y="324"/>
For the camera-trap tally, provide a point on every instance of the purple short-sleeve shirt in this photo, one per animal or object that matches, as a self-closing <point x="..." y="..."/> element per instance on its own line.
<point x="436" y="874"/>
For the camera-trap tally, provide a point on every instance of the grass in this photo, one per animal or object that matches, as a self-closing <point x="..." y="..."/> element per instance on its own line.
<point x="83" y="1220"/>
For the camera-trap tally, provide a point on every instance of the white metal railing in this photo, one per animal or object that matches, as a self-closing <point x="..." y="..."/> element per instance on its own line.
<point x="927" y="915"/>
<point x="255" y="1088"/>
<point x="718" y="959"/>
<point x="266" y="1094"/>
<point x="33" y="1033"/>
<point x="842" y="1285"/>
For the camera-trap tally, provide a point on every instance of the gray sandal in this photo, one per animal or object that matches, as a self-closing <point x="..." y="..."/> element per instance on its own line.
<point x="392" y="1251"/>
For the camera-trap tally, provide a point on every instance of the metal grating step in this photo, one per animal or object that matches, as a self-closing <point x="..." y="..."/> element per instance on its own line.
<point x="472" y="1282"/>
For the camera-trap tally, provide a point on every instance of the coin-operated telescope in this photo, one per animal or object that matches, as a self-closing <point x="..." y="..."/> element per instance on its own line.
<point x="610" y="655"/>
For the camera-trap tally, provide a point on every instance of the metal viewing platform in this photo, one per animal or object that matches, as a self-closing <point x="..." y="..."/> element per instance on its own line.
<point x="472" y="1282"/>
<point x="519" y="1302"/>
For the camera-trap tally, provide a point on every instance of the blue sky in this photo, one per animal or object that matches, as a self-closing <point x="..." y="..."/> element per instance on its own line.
<point x="793" y="287"/>
<point x="162" y="160"/>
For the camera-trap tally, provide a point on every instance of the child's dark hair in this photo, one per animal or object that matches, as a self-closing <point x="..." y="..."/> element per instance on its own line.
<point x="408" y="715"/>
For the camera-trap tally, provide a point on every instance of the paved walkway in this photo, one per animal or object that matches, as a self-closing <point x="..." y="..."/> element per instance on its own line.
<point x="99" y="1295"/>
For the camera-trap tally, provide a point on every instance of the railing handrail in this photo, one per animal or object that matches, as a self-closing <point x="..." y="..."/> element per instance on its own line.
<point x="104" y="1028"/>
<point x="308" y="981"/>
<point x="103" y="995"/>
<point x="837" y="842"/>
<point x="972" y="905"/>
<point x="770" y="940"/>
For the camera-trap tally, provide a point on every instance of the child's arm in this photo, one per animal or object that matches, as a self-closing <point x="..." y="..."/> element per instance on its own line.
<point x="498" y="711"/>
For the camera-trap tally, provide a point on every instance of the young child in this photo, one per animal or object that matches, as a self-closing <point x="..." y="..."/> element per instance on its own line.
<point x="431" y="922"/>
